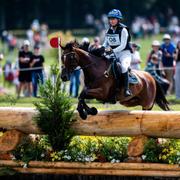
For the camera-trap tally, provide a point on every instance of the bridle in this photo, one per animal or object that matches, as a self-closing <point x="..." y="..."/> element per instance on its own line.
<point x="77" y="58"/>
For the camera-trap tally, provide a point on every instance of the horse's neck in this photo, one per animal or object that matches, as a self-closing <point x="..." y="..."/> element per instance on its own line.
<point x="92" y="66"/>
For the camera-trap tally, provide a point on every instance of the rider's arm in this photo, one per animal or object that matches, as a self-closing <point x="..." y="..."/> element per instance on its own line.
<point x="123" y="40"/>
<point x="105" y="44"/>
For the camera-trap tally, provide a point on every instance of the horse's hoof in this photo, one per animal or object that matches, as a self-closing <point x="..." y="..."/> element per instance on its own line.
<point x="92" y="111"/>
<point x="83" y="115"/>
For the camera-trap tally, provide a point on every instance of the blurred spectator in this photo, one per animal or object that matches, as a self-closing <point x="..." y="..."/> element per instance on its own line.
<point x="37" y="62"/>
<point x="12" y="42"/>
<point x="156" y="50"/>
<point x="168" y="60"/>
<point x="8" y="72"/>
<point x="136" y="59"/>
<point x="96" y="44"/>
<point x="44" y="34"/>
<point x="104" y="20"/>
<point x="89" y="20"/>
<point x="136" y="28"/>
<point x="85" y="44"/>
<point x="1" y="56"/>
<point x="4" y="40"/>
<point x="173" y="27"/>
<point x="25" y="56"/>
<point x="74" y="83"/>
<point x="151" y="68"/>
<point x="35" y="26"/>
<point x="177" y="72"/>
<point x="144" y="27"/>
<point x="94" y="48"/>
<point x="37" y="38"/>
<point x="30" y="34"/>
<point x="98" y="25"/>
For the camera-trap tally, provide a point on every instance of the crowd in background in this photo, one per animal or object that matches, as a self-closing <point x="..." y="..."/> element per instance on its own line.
<point x="27" y="71"/>
<point x="163" y="60"/>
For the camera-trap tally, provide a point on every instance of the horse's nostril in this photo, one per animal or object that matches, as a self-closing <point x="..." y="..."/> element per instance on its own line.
<point x="64" y="78"/>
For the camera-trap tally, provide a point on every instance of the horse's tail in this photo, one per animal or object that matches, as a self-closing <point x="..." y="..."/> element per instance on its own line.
<point x="160" y="98"/>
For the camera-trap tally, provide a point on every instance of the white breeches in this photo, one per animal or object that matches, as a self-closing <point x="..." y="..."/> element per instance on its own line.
<point x="124" y="57"/>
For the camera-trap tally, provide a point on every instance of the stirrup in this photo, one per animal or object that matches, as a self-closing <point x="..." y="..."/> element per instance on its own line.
<point x="127" y="93"/>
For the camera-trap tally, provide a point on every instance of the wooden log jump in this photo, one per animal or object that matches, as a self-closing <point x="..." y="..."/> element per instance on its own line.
<point x="106" y="123"/>
<point x="95" y="168"/>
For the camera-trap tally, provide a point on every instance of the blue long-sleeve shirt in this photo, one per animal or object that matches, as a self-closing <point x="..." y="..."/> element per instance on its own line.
<point x="167" y="61"/>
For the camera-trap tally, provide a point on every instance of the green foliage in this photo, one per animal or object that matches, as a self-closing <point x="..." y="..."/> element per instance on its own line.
<point x="29" y="150"/>
<point x="151" y="151"/>
<point x="55" y="114"/>
<point x="162" y="151"/>
<point x="7" y="171"/>
<point x="112" y="149"/>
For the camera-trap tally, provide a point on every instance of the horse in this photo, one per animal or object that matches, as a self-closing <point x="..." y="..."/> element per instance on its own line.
<point x="145" y="93"/>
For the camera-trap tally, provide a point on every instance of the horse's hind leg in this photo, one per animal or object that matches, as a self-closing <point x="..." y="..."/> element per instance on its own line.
<point x="147" y="108"/>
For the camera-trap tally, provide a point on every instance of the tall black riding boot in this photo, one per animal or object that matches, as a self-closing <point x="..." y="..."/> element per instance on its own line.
<point x="127" y="91"/>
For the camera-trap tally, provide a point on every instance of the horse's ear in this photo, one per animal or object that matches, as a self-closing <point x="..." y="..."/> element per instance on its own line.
<point x="76" y="44"/>
<point x="63" y="48"/>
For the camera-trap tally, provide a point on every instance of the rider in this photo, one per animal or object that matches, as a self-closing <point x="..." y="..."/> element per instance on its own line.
<point x="117" y="40"/>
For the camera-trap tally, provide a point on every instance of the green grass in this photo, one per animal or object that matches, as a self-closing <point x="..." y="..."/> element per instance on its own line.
<point x="11" y="101"/>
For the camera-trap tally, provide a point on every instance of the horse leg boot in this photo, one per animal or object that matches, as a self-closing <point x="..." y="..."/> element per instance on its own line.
<point x="127" y="91"/>
<point x="81" y="110"/>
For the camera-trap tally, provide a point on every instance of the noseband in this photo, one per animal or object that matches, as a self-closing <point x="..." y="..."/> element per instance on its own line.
<point x="75" y="55"/>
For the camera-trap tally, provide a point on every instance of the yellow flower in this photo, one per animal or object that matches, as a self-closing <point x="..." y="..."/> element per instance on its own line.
<point x="164" y="157"/>
<point x="1" y="133"/>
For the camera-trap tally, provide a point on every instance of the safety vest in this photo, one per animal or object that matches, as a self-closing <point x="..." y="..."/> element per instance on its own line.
<point x="114" y="37"/>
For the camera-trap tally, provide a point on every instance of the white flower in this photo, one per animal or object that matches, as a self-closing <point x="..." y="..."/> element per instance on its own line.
<point x="117" y="161"/>
<point x="143" y="157"/>
<point x="87" y="159"/>
<point x="68" y="157"/>
<point x="42" y="155"/>
<point x="25" y="165"/>
<point x="113" y="161"/>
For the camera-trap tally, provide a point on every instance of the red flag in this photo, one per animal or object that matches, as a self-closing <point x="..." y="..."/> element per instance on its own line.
<point x="54" y="42"/>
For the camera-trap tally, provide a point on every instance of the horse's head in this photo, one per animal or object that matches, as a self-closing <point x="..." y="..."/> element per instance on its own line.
<point x="69" y="60"/>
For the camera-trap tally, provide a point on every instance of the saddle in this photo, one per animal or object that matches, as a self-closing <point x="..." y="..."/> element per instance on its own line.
<point x="113" y="70"/>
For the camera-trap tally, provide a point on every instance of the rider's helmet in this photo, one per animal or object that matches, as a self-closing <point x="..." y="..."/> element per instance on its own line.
<point x="115" y="13"/>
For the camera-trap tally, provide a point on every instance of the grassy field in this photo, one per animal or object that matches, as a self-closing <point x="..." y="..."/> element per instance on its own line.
<point x="51" y="58"/>
<point x="11" y="101"/>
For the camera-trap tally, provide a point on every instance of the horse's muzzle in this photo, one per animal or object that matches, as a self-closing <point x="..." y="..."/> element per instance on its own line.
<point x="65" y="77"/>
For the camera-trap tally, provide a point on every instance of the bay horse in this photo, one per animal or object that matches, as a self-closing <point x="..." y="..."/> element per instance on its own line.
<point x="145" y="93"/>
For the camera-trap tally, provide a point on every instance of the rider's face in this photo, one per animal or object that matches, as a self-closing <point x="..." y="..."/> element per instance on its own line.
<point x="113" y="21"/>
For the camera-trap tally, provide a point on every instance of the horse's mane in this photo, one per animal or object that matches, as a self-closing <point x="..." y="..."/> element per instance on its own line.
<point x="72" y="44"/>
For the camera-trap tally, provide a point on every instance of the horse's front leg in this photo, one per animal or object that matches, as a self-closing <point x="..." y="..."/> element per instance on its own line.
<point x="82" y="107"/>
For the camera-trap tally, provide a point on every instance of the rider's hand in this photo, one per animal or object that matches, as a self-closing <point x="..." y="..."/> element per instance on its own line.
<point x="108" y="50"/>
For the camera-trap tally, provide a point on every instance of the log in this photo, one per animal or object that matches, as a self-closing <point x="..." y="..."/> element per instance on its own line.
<point x="136" y="146"/>
<point x="129" y="169"/>
<point x="106" y="123"/>
<point x="10" y="140"/>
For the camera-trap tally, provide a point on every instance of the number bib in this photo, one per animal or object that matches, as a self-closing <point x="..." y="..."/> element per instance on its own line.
<point x="113" y="39"/>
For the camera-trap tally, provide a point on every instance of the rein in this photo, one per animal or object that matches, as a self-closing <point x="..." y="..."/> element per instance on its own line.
<point x="84" y="67"/>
